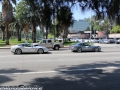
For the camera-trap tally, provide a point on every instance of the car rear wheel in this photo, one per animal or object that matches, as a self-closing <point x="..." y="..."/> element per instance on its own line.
<point x="56" y="47"/>
<point x="79" y="50"/>
<point x="18" y="51"/>
<point x="96" y="49"/>
<point x="40" y="51"/>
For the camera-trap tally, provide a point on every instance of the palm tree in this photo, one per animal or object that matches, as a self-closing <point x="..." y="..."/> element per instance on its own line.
<point x="7" y="16"/>
<point x="46" y="17"/>
<point x="102" y="8"/>
<point x="23" y="18"/>
<point x="64" y="17"/>
<point x="2" y="27"/>
<point x="17" y="27"/>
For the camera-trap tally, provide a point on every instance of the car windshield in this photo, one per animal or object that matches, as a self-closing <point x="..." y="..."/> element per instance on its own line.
<point x="26" y="45"/>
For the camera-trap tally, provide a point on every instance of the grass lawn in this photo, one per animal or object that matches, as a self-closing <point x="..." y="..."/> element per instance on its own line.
<point x="12" y="42"/>
<point x="68" y="43"/>
<point x="15" y="42"/>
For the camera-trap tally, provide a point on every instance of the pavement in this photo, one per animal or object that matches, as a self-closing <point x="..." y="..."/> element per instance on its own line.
<point x="96" y="44"/>
<point x="107" y="45"/>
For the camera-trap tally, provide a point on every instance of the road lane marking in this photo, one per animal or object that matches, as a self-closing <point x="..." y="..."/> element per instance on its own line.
<point x="58" y="71"/>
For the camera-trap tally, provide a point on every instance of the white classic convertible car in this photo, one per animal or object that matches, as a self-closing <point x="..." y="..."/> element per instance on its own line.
<point x="28" y="48"/>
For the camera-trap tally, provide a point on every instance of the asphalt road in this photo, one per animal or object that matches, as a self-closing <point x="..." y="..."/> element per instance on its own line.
<point x="62" y="70"/>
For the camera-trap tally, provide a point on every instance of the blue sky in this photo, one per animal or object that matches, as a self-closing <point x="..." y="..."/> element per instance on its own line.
<point x="77" y="14"/>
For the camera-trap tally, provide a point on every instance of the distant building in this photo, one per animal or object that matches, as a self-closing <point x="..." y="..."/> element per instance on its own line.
<point x="78" y="26"/>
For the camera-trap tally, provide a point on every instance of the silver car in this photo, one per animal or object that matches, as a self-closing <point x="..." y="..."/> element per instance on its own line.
<point x="79" y="47"/>
<point x="28" y="48"/>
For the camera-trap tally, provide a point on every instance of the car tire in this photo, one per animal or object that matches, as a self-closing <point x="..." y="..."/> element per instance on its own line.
<point x="56" y="47"/>
<point x="40" y="51"/>
<point x="96" y="49"/>
<point x="18" y="51"/>
<point x="79" y="50"/>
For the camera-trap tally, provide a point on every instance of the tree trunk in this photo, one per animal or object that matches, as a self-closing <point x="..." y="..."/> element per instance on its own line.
<point x="19" y="37"/>
<point x="43" y="32"/>
<point x="54" y="33"/>
<point x="18" y="34"/>
<point x="46" y="32"/>
<point x="66" y="33"/>
<point x="3" y="35"/>
<point x="34" y="32"/>
<point x="7" y="33"/>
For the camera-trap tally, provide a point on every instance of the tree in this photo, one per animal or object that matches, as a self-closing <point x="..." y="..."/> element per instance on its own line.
<point x="116" y="29"/>
<point x="102" y="8"/>
<point x="64" y="17"/>
<point x="23" y="18"/>
<point x="106" y="25"/>
<point x="2" y="27"/>
<point x="7" y="15"/>
<point x="17" y="27"/>
<point x="46" y="17"/>
<point x="87" y="29"/>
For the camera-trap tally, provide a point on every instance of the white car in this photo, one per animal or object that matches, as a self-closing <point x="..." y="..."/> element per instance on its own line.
<point x="28" y="48"/>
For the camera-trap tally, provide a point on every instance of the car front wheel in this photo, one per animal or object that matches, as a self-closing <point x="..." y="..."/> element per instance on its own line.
<point x="18" y="51"/>
<point x="79" y="50"/>
<point x="40" y="51"/>
<point x="96" y="49"/>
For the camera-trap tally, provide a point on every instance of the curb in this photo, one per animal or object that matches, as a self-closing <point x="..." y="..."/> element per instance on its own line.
<point x="4" y="47"/>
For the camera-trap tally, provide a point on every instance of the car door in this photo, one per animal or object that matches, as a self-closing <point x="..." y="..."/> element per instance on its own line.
<point x="23" y="48"/>
<point x="49" y="43"/>
<point x="89" y="48"/>
<point x="83" y="47"/>
<point x="31" y="48"/>
<point x="86" y="47"/>
<point x="43" y="43"/>
<point x="28" y="48"/>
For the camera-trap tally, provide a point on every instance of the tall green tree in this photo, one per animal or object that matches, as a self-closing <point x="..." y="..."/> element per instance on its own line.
<point x="23" y="18"/>
<point x="46" y="17"/>
<point x="116" y="29"/>
<point x="64" y="17"/>
<point x="2" y="27"/>
<point x="102" y="8"/>
<point x="7" y="15"/>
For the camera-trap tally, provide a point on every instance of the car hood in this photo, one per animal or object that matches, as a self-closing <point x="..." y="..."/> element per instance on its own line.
<point x="15" y="46"/>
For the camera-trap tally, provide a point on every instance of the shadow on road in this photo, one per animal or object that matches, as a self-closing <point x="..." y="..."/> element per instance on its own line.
<point x="4" y="74"/>
<point x="69" y="79"/>
<point x="82" y="80"/>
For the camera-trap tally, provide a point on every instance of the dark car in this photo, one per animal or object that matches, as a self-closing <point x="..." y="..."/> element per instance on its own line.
<point x="79" y="47"/>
